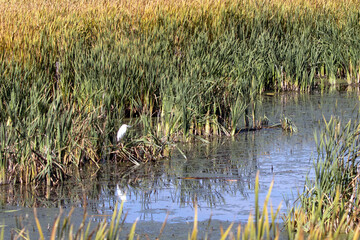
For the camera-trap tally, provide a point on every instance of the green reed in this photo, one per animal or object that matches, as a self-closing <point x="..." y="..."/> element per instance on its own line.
<point x="69" y="77"/>
<point x="103" y="230"/>
<point x="328" y="205"/>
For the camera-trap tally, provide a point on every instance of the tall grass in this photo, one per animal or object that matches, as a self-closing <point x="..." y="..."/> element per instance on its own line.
<point x="104" y="230"/>
<point x="71" y="72"/>
<point x="329" y="204"/>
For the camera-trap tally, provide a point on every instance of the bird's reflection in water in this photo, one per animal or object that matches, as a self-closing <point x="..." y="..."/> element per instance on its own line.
<point x="120" y="194"/>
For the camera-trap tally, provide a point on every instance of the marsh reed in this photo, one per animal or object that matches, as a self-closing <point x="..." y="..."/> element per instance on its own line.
<point x="328" y="207"/>
<point x="71" y="72"/>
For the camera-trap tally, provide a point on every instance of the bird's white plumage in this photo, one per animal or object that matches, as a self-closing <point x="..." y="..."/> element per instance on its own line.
<point x="120" y="194"/>
<point x="122" y="131"/>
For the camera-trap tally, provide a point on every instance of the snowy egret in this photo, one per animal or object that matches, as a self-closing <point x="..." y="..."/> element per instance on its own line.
<point x="122" y="131"/>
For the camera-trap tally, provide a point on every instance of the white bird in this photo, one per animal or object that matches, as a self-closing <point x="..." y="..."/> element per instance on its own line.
<point x="122" y="131"/>
<point x="120" y="195"/>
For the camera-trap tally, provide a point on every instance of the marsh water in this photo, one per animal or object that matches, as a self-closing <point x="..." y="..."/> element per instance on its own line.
<point x="219" y="175"/>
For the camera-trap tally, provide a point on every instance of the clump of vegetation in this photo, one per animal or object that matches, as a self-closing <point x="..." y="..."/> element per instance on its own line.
<point x="65" y="229"/>
<point x="287" y="125"/>
<point x="329" y="204"/>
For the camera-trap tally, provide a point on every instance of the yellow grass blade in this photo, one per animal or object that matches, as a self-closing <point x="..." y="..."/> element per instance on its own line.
<point x="38" y="225"/>
<point x="224" y="235"/>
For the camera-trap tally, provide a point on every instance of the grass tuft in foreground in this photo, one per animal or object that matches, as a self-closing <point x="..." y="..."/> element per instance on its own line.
<point x="259" y="225"/>
<point x="329" y="204"/>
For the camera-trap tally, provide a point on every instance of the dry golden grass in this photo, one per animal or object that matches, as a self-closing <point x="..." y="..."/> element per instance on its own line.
<point x="23" y="22"/>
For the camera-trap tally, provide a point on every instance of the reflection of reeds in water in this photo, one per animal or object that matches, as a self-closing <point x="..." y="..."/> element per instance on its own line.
<point x="210" y="171"/>
<point x="260" y="225"/>
<point x="64" y="229"/>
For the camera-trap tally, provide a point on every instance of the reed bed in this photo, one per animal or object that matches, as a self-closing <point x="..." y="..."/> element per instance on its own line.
<point x="72" y="71"/>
